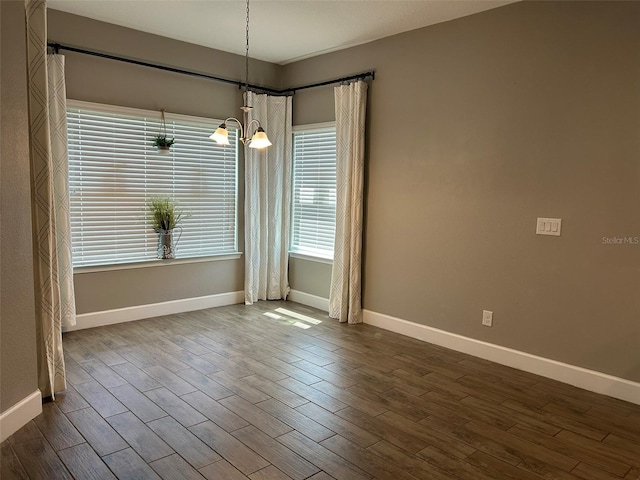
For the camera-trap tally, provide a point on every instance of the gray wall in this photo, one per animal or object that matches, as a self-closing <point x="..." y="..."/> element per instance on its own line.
<point x="529" y="110"/>
<point x="106" y="81"/>
<point x="18" y="373"/>
<point x="309" y="276"/>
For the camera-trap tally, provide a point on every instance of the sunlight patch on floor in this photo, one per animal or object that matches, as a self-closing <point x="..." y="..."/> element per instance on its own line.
<point x="299" y="316"/>
<point x="290" y="321"/>
<point x="304" y="326"/>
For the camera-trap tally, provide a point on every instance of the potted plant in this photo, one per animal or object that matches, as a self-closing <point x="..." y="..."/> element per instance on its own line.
<point x="165" y="215"/>
<point x="161" y="141"/>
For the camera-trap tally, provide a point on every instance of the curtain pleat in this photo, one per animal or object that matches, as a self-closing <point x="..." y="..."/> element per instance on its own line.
<point x="268" y="202"/>
<point x="60" y="163"/>
<point x="51" y="368"/>
<point x="345" y="294"/>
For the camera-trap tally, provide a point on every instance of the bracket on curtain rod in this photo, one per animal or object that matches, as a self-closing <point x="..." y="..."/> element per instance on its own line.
<point x="267" y="91"/>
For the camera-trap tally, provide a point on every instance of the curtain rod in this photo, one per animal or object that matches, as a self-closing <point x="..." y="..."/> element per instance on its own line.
<point x="359" y="76"/>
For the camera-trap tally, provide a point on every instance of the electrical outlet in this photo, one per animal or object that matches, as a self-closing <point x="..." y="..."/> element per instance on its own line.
<point x="487" y="318"/>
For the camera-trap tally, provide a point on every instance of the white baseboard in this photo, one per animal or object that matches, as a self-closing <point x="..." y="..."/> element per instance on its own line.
<point x="20" y="414"/>
<point x="139" y="312"/>
<point x="308" y="299"/>
<point x="580" y="377"/>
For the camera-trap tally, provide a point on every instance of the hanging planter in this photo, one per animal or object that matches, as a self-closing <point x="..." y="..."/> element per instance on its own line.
<point x="165" y="216"/>
<point x="161" y="141"/>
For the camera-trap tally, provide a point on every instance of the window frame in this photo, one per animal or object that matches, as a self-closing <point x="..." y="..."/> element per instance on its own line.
<point x="293" y="252"/>
<point x="170" y="117"/>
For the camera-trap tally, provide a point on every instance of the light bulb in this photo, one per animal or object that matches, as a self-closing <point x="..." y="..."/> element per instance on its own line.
<point x="221" y="135"/>
<point x="260" y="139"/>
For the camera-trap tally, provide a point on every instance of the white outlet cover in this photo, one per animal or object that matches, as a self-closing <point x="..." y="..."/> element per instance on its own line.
<point x="487" y="318"/>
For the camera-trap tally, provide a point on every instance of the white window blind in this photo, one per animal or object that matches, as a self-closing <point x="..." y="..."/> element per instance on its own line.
<point x="314" y="191"/>
<point x="114" y="170"/>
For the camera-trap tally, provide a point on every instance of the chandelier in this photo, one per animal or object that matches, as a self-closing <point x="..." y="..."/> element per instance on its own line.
<point x="259" y="138"/>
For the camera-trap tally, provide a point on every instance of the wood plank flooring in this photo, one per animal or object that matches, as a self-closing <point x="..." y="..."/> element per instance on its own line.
<point x="277" y="391"/>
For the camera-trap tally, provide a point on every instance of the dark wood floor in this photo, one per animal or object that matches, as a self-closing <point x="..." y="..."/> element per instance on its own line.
<point x="247" y="392"/>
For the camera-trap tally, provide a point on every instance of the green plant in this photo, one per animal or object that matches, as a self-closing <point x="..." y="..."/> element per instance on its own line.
<point x="164" y="213"/>
<point x="162" y="141"/>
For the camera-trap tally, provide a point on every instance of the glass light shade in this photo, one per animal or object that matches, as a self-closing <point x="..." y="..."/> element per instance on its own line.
<point x="221" y="135"/>
<point x="259" y="139"/>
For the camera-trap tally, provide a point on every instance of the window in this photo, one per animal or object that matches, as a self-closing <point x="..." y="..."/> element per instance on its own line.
<point x="313" y="224"/>
<point x="114" y="170"/>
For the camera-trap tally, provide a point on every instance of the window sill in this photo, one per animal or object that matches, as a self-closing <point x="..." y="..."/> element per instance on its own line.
<point x="311" y="258"/>
<point x="156" y="263"/>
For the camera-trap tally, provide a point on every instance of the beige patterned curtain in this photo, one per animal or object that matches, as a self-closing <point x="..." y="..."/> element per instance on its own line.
<point x="49" y="305"/>
<point x="268" y="202"/>
<point x="345" y="294"/>
<point x="60" y="165"/>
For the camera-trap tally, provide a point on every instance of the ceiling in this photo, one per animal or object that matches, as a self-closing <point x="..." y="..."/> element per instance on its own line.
<point x="281" y="31"/>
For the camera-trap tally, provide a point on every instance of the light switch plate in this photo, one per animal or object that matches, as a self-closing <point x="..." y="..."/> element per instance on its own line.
<point x="549" y="226"/>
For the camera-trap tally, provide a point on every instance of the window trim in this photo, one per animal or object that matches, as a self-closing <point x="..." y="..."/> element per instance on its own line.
<point x="313" y="126"/>
<point x="121" y="110"/>
<point x="154" y="262"/>
<point x="310" y="258"/>
<point x="297" y="253"/>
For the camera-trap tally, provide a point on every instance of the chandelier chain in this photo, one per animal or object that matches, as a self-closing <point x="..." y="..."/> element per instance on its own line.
<point x="246" y="55"/>
<point x="257" y="139"/>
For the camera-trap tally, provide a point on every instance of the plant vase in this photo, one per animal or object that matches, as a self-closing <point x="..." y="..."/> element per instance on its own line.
<point x="166" y="248"/>
<point x="164" y="150"/>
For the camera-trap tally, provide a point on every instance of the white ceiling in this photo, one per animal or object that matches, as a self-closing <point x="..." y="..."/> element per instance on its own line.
<point x="281" y="31"/>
